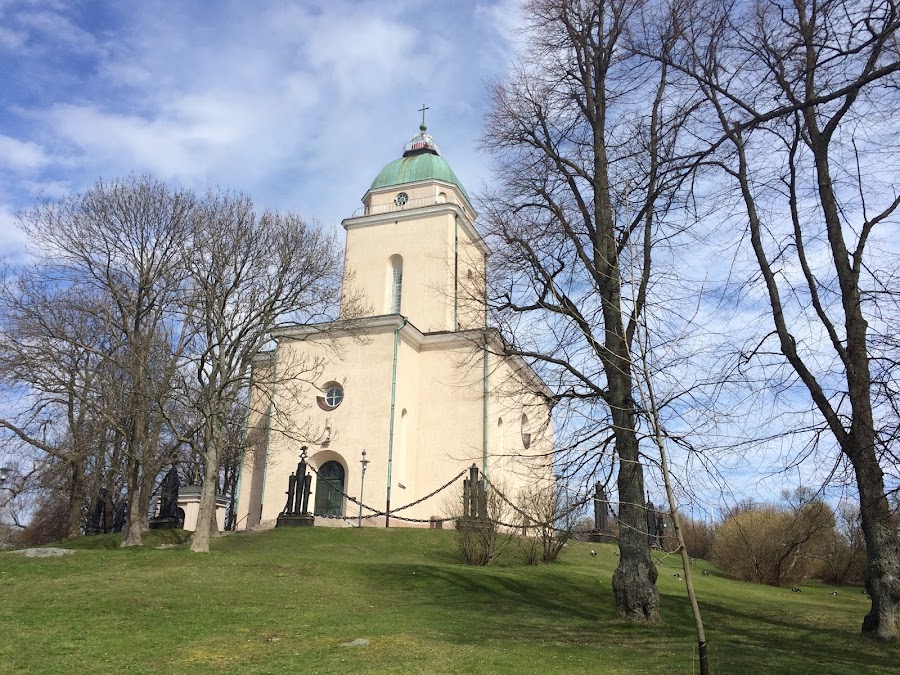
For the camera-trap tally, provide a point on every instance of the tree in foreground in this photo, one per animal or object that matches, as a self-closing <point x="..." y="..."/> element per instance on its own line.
<point x="583" y="133"/>
<point x="802" y="101"/>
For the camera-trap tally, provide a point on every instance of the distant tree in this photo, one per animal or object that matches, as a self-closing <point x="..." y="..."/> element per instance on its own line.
<point x="699" y="537"/>
<point x="844" y="555"/>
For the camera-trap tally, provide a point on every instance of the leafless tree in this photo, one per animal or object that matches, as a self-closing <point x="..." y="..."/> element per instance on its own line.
<point x="585" y="133"/>
<point x="51" y="362"/>
<point x="248" y="272"/>
<point x="803" y="99"/>
<point x="125" y="241"/>
<point x="774" y="545"/>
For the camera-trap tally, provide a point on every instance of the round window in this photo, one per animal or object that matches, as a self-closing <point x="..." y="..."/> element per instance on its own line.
<point x="334" y="395"/>
<point x="401" y="199"/>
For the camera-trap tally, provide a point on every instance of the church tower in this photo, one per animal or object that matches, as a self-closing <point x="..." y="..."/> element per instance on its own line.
<point x="413" y="249"/>
<point x="419" y="382"/>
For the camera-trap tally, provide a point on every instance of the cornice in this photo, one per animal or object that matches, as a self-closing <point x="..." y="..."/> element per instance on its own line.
<point x="418" y="213"/>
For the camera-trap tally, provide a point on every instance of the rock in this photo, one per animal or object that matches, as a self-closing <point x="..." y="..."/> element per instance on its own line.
<point x="358" y="642"/>
<point x="43" y="552"/>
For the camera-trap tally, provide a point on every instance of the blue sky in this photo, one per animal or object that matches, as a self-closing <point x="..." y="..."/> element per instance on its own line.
<point x="298" y="104"/>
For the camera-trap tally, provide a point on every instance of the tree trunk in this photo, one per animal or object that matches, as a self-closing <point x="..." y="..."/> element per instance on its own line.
<point x="206" y="519"/>
<point x="634" y="581"/>
<point x="73" y="529"/>
<point x="131" y="536"/>
<point x="882" y="548"/>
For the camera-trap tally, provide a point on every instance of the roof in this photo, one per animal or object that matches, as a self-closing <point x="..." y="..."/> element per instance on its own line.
<point x="421" y="161"/>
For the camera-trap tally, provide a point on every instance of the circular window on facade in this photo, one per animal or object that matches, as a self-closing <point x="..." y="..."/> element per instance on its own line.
<point x="334" y="395"/>
<point x="401" y="199"/>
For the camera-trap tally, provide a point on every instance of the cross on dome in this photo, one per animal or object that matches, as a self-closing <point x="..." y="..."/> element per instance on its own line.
<point x="422" y="142"/>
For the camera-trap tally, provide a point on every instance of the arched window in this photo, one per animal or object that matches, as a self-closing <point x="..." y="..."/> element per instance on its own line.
<point x="526" y="434"/>
<point x="329" y="486"/>
<point x="396" y="282"/>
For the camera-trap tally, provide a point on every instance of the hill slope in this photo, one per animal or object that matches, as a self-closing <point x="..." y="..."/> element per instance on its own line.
<point x="286" y="600"/>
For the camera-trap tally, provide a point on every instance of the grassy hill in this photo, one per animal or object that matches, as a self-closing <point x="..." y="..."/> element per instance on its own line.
<point x="285" y="600"/>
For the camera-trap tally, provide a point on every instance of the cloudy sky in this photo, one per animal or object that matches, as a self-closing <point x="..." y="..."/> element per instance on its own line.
<point x="297" y="103"/>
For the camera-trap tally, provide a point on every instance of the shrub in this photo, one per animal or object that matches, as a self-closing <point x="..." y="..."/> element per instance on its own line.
<point x="480" y="537"/>
<point x="772" y="545"/>
<point x="548" y="518"/>
<point x="698" y="537"/>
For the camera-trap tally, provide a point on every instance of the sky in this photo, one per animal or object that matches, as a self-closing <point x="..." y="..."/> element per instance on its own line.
<point x="298" y="104"/>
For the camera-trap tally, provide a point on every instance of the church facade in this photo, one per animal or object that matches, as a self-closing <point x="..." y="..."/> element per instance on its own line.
<point x="419" y="382"/>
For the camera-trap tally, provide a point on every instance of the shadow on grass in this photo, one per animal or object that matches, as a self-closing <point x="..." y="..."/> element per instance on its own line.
<point x="548" y="605"/>
<point x="114" y="541"/>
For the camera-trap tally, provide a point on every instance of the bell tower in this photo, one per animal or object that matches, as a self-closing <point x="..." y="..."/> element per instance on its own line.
<point x="413" y="248"/>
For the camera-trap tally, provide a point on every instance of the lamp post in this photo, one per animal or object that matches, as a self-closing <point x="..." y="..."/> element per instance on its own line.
<point x="362" y="484"/>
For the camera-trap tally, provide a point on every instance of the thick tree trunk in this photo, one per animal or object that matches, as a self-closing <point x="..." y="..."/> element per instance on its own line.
<point x="882" y="548"/>
<point x="634" y="581"/>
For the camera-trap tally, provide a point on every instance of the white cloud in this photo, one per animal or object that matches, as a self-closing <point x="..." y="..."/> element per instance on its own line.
<point x="20" y="155"/>
<point x="12" y="239"/>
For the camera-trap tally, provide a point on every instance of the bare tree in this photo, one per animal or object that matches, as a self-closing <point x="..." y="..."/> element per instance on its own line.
<point x="584" y="130"/>
<point x="802" y="96"/>
<point x="125" y="241"/>
<point x="774" y="545"/>
<point x="51" y="361"/>
<point x="249" y="271"/>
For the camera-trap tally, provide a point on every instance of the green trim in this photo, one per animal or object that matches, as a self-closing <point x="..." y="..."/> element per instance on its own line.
<point x="390" y="464"/>
<point x="237" y="489"/>
<point x="262" y="492"/>
<point x="455" y="272"/>
<point x="484" y="438"/>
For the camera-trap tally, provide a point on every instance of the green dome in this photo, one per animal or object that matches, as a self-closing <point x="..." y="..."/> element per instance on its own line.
<point x="420" y="161"/>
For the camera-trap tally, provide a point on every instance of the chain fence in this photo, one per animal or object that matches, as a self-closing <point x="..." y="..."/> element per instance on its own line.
<point x="392" y="513"/>
<point x="370" y="512"/>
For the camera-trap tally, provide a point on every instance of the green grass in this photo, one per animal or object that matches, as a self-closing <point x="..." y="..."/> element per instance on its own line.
<point x="283" y="601"/>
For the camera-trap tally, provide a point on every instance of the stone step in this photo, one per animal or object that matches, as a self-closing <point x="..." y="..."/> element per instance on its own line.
<point x="263" y="525"/>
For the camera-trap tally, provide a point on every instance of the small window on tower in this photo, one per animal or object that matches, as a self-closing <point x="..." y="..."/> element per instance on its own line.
<point x="401" y="199"/>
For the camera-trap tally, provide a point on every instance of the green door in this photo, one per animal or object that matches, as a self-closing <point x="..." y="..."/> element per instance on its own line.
<point x="329" y="486"/>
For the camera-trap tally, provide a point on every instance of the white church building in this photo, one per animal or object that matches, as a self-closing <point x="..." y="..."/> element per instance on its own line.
<point x="420" y="384"/>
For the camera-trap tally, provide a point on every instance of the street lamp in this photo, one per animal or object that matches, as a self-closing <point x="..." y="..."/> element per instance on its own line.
<point x="362" y="484"/>
<point x="5" y="472"/>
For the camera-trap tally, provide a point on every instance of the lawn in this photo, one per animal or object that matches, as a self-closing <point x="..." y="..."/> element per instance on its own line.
<point x="285" y="600"/>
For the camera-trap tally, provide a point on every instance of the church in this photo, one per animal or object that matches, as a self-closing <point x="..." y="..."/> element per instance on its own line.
<point x="419" y="383"/>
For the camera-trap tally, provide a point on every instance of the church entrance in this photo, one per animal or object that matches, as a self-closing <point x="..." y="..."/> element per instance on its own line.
<point x="329" y="486"/>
